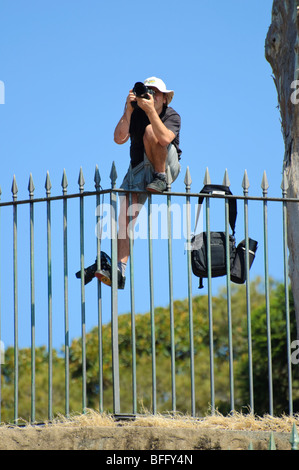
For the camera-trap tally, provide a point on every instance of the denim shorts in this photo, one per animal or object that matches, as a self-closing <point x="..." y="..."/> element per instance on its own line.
<point x="144" y="171"/>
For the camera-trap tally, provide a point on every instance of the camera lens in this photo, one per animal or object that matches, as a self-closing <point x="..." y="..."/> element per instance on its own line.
<point x="140" y="90"/>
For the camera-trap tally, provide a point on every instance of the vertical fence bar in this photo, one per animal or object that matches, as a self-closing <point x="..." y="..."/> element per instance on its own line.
<point x="188" y="182"/>
<point x="152" y="307"/>
<point x="228" y="294"/>
<point x="284" y="187"/>
<point x="170" y="282"/>
<point x="97" y="180"/>
<point x="245" y="185"/>
<point x="1" y="346"/>
<point x="210" y="307"/>
<point x="64" y="185"/>
<point x="49" y="266"/>
<point x="114" y="286"/>
<point x="32" y="296"/>
<point x="15" y="289"/>
<point x="81" y="183"/>
<point x="265" y="187"/>
<point x="132" y="297"/>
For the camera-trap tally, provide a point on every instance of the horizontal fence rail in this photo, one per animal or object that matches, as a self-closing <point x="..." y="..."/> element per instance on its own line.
<point x="187" y="200"/>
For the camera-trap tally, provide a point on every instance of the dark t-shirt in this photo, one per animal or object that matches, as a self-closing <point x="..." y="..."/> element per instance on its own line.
<point x="139" y="120"/>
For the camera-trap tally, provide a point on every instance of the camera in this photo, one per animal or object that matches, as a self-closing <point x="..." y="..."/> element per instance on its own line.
<point x="141" y="91"/>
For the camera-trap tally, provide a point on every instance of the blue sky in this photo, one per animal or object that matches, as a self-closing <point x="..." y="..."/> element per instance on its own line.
<point x="67" y="67"/>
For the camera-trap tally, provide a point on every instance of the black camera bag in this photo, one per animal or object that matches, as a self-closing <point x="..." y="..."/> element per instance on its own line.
<point x="199" y="254"/>
<point x="237" y="256"/>
<point x="238" y="270"/>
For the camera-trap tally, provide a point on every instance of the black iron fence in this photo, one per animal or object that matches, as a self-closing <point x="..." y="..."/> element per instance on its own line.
<point x="27" y="272"/>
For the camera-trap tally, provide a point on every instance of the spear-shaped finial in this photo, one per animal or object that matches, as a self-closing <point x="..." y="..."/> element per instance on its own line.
<point x="81" y="181"/>
<point x="207" y="179"/>
<point x="265" y="184"/>
<point x="245" y="182"/>
<point x="168" y="178"/>
<point x="113" y="175"/>
<point x="187" y="180"/>
<point x="64" y="182"/>
<point x="272" y="445"/>
<point x="284" y="184"/>
<point x="14" y="188"/>
<point x="226" y="181"/>
<point x="31" y="187"/>
<point x="294" y="439"/>
<point x="97" y="178"/>
<point x="48" y="184"/>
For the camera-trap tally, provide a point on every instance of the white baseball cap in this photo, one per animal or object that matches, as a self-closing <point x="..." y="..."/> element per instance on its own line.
<point x="158" y="83"/>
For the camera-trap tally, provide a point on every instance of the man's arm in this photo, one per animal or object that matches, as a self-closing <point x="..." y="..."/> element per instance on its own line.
<point x="121" y="133"/>
<point x="164" y="135"/>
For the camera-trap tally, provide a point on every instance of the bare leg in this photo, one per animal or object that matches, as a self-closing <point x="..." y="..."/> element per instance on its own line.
<point x="156" y="153"/>
<point x="123" y="241"/>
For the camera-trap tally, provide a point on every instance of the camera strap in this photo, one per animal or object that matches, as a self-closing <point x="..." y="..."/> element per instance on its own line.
<point x="218" y="189"/>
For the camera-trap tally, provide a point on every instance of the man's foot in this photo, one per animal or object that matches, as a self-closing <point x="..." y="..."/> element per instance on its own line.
<point x="89" y="273"/>
<point x="105" y="276"/>
<point x="158" y="185"/>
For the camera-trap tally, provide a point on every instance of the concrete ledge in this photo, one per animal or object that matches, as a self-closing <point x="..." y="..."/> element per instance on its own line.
<point x="135" y="438"/>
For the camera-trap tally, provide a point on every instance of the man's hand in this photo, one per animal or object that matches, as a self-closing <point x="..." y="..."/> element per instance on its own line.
<point x="147" y="105"/>
<point x="131" y="97"/>
<point x="121" y="133"/>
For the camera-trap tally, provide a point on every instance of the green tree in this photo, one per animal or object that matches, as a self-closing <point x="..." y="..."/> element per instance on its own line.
<point x="279" y="356"/>
<point x="163" y="360"/>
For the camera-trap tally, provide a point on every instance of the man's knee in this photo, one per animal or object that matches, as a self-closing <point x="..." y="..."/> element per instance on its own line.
<point x="149" y="135"/>
<point x="151" y="143"/>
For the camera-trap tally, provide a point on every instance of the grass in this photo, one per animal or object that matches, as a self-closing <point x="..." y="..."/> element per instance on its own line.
<point x="233" y="422"/>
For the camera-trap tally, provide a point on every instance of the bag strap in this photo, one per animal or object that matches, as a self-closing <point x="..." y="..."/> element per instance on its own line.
<point x="220" y="189"/>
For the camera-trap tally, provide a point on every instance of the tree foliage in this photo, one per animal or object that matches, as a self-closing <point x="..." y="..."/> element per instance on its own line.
<point x="201" y="332"/>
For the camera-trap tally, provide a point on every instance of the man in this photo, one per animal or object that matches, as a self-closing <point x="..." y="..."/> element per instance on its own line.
<point x="154" y="130"/>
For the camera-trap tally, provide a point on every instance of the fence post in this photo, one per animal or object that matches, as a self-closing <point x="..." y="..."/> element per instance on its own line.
<point x="132" y="295"/>
<point x="114" y="286"/>
<point x="97" y="181"/>
<point x="81" y="184"/>
<point x="265" y="187"/>
<point x="170" y="283"/>
<point x="207" y="180"/>
<point x="64" y="185"/>
<point x="152" y="306"/>
<point x="245" y="185"/>
<point x="284" y="187"/>
<point x="32" y="294"/>
<point x="226" y="182"/>
<point x="14" y="191"/>
<point x="188" y="182"/>
<point x="2" y="352"/>
<point x="49" y="266"/>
